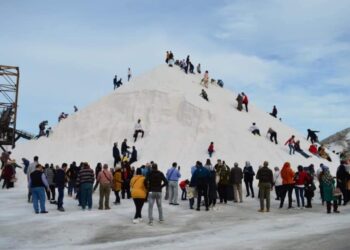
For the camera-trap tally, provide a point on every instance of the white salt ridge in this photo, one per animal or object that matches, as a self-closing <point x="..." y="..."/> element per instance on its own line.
<point x="178" y="124"/>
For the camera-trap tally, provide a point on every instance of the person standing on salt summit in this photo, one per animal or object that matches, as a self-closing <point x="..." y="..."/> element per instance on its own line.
<point x="129" y="74"/>
<point x="173" y="175"/>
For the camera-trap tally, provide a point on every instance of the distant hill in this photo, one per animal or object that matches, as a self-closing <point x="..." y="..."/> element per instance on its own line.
<point x="339" y="142"/>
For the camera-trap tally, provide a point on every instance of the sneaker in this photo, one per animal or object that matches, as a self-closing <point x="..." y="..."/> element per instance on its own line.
<point x="336" y="211"/>
<point x="176" y="204"/>
<point x="198" y="209"/>
<point x="150" y="223"/>
<point x="140" y="219"/>
<point x="207" y="209"/>
<point x="100" y="208"/>
<point x="36" y="212"/>
<point x="61" y="209"/>
<point x="161" y="221"/>
<point x="135" y="221"/>
<point x="261" y="210"/>
<point x="107" y="208"/>
<point x="44" y="212"/>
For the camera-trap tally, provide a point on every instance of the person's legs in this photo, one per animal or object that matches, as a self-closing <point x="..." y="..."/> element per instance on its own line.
<point x="239" y="189"/>
<point x="42" y="199"/>
<point x="267" y="196"/>
<point x="107" y="194"/>
<point x="83" y="191"/>
<point x="283" y="194"/>
<point x="151" y="200"/>
<point x="329" y="205"/>
<point x="89" y="195"/>
<point x="251" y="188"/>
<point x="60" y="197"/>
<point x="247" y="188"/>
<point x="175" y="192"/>
<point x="35" y="199"/>
<point x="302" y="196"/>
<point x="100" y="203"/>
<point x="53" y="192"/>
<point x="262" y="195"/>
<point x="297" y="193"/>
<point x="199" y="196"/>
<point x="159" y="205"/>
<point x="225" y="189"/>
<point x="205" y="194"/>
<point x="235" y="198"/>
<point x="290" y="193"/>
<point x="171" y="192"/>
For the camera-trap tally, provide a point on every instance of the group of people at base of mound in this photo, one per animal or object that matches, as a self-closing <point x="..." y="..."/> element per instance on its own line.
<point x="206" y="185"/>
<point x="117" y="83"/>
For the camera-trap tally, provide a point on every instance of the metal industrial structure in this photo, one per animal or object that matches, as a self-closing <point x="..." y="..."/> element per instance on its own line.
<point x="9" y="86"/>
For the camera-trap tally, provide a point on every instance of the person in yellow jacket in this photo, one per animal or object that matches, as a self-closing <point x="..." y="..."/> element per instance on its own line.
<point x="117" y="184"/>
<point x="138" y="193"/>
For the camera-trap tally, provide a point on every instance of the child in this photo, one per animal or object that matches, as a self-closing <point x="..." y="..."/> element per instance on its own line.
<point x="183" y="185"/>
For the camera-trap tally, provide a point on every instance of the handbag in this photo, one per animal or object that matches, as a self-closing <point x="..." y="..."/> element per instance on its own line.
<point x="337" y="192"/>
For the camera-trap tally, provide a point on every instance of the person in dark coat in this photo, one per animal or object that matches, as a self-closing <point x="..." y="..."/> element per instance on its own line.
<point x="312" y="135"/>
<point x="97" y="171"/>
<point x="274" y="111"/>
<point x="248" y="177"/>
<point x="265" y="177"/>
<point x="212" y="193"/>
<point x="273" y="135"/>
<point x="116" y="154"/>
<point x="343" y="177"/>
<point x="204" y="95"/>
<point x="72" y="175"/>
<point x="125" y="148"/>
<point x="133" y="157"/>
<point x="60" y="181"/>
<point x="239" y="100"/>
<point x="201" y="177"/>
<point x="309" y="190"/>
<point x="236" y="181"/>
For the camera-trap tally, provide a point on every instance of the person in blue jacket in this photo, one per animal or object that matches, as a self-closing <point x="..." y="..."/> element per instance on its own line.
<point x="200" y="179"/>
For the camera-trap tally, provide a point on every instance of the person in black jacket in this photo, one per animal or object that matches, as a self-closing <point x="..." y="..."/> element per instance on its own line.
<point x="133" y="157"/>
<point x="124" y="148"/>
<point x="116" y="154"/>
<point x="312" y="135"/>
<point x="97" y="171"/>
<point x="38" y="183"/>
<point x="248" y="177"/>
<point x="343" y="177"/>
<point x="201" y="177"/>
<point x="265" y="177"/>
<point x="154" y="183"/>
<point x="60" y="180"/>
<point x="72" y="175"/>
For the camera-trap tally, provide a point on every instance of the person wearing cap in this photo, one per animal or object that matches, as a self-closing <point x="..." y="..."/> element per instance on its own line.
<point x="105" y="179"/>
<point x="236" y="181"/>
<point x="38" y="183"/>
<point x="265" y="177"/>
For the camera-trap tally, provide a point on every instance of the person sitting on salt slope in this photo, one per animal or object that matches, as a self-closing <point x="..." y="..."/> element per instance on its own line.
<point x="254" y="129"/>
<point x="299" y="150"/>
<point x="204" y="95"/>
<point x="291" y="142"/>
<point x="199" y="68"/>
<point x="313" y="149"/>
<point x="239" y="100"/>
<point x="138" y="129"/>
<point x="220" y="83"/>
<point x="274" y="111"/>
<point x="322" y="152"/>
<point x="205" y="79"/>
<point x="273" y="135"/>
<point x="211" y="149"/>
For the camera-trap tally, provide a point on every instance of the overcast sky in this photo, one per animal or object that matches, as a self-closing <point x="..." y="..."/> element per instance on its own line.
<point x="294" y="54"/>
